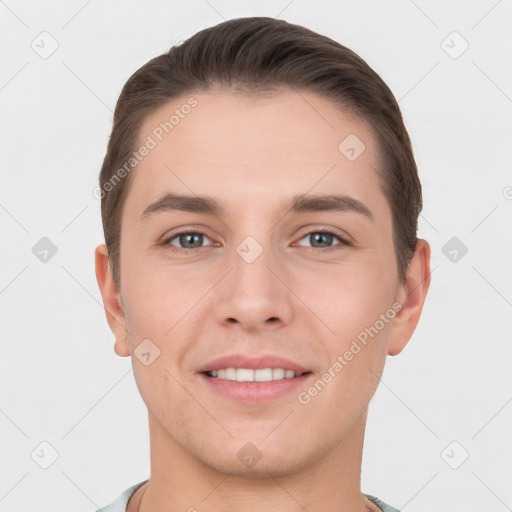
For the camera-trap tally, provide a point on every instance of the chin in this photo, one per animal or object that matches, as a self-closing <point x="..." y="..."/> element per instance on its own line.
<point x="265" y="467"/>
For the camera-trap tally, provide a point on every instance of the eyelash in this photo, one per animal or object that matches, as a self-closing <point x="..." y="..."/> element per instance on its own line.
<point x="344" y="241"/>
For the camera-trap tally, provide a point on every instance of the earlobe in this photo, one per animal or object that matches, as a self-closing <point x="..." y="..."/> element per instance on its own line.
<point x="412" y="297"/>
<point x="121" y="348"/>
<point x="111" y="298"/>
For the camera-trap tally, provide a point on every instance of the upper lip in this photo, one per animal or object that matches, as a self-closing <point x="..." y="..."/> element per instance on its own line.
<point x="256" y="363"/>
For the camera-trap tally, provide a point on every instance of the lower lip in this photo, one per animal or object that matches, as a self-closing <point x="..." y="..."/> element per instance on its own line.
<point x="255" y="392"/>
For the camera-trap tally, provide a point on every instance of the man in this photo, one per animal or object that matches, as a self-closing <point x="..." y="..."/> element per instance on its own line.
<point x="260" y="203"/>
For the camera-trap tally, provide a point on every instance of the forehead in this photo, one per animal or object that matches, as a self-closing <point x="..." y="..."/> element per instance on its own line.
<point x="255" y="150"/>
<point x="229" y="121"/>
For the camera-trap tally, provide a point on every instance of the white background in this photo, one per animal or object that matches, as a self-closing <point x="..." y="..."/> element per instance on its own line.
<point x="61" y="381"/>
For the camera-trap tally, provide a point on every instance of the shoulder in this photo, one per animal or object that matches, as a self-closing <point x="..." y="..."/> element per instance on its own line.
<point x="119" y="505"/>
<point x="383" y="506"/>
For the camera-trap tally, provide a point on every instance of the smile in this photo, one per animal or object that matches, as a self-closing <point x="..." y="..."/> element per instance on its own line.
<point x="250" y="375"/>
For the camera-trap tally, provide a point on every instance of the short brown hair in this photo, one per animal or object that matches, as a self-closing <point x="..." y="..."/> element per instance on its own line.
<point x="257" y="55"/>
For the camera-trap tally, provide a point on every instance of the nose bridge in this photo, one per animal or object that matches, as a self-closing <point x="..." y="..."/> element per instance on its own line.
<point x="252" y="276"/>
<point x="252" y="295"/>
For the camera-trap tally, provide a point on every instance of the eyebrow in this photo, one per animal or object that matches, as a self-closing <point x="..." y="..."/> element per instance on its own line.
<point x="298" y="204"/>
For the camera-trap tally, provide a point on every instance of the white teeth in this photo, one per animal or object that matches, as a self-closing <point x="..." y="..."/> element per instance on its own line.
<point x="263" y="375"/>
<point x="249" y="375"/>
<point x="230" y="374"/>
<point x="245" y="375"/>
<point x="278" y="373"/>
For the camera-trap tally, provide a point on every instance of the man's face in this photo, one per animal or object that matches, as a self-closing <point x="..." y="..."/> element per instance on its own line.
<point x="259" y="278"/>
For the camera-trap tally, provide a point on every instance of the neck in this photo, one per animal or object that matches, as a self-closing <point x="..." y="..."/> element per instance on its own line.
<point x="180" y="481"/>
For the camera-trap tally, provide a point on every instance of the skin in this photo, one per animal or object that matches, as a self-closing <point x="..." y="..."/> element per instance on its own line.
<point x="252" y="154"/>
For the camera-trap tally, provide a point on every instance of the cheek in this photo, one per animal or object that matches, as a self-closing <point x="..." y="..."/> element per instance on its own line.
<point x="348" y="297"/>
<point x="155" y="293"/>
<point x="356" y="305"/>
<point x="355" y="356"/>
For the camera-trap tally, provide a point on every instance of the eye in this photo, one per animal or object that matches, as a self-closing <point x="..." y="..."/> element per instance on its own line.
<point x="186" y="240"/>
<point x="324" y="238"/>
<point x="319" y="239"/>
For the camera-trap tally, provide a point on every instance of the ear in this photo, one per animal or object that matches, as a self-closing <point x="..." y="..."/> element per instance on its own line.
<point x="411" y="294"/>
<point x="111" y="301"/>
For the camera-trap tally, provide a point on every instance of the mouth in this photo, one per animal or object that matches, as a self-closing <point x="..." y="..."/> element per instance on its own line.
<point x="253" y="378"/>
<point x="254" y="387"/>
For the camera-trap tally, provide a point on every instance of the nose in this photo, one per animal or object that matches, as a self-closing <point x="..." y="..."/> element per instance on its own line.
<point x="254" y="295"/>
